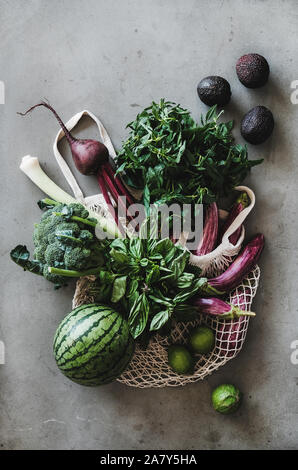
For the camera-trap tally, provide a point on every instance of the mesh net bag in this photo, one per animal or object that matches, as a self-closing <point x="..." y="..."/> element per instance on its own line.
<point x="149" y="368"/>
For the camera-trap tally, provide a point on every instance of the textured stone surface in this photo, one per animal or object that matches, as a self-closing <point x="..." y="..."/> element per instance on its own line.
<point x="113" y="58"/>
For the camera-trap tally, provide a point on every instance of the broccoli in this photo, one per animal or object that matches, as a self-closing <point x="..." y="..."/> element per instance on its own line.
<point x="65" y="244"/>
<point x="76" y="258"/>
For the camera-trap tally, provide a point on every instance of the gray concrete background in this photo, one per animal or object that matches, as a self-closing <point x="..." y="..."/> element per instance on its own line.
<point x="113" y="57"/>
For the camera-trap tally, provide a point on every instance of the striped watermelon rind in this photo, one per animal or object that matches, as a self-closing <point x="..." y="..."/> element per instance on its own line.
<point x="93" y="345"/>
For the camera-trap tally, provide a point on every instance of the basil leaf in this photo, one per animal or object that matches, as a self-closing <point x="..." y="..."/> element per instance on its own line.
<point x="159" y="298"/>
<point x="170" y="255"/>
<point x="138" y="316"/>
<point x="153" y="275"/>
<point x="135" y="247"/>
<point x="119" y="256"/>
<point x="185" y="280"/>
<point x="178" y="264"/>
<point x="119" y="245"/>
<point x="186" y="294"/>
<point x="159" y="320"/>
<point x="163" y="246"/>
<point x="119" y="288"/>
<point x="132" y="287"/>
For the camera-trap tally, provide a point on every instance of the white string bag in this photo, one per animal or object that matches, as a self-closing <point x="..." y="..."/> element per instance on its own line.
<point x="216" y="261"/>
<point x="149" y="368"/>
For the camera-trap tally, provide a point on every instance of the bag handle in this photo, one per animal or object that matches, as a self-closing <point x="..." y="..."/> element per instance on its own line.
<point x="73" y="121"/>
<point x="243" y="214"/>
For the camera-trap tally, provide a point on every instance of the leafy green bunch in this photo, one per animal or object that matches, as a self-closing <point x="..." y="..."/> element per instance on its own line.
<point x="173" y="159"/>
<point x="150" y="281"/>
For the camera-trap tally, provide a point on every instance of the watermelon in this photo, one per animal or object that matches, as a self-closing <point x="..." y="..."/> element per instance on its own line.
<point x="93" y="345"/>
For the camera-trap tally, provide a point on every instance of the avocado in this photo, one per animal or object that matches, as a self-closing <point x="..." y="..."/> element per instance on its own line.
<point x="257" y="125"/>
<point x="214" y="90"/>
<point x="252" y="70"/>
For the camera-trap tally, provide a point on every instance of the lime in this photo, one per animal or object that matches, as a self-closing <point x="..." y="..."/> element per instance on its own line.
<point x="226" y="398"/>
<point x="180" y="359"/>
<point x="202" y="340"/>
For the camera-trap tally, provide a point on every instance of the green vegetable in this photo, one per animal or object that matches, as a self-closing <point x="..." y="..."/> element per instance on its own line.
<point x="92" y="345"/>
<point x="180" y="359"/>
<point x="151" y="282"/>
<point x="202" y="340"/>
<point x="226" y="398"/>
<point x="173" y="159"/>
<point x="65" y="244"/>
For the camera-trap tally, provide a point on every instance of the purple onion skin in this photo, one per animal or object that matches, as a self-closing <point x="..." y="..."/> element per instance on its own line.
<point x="240" y="204"/>
<point x="219" y="308"/>
<point x="210" y="231"/>
<point x="88" y="155"/>
<point x="235" y="273"/>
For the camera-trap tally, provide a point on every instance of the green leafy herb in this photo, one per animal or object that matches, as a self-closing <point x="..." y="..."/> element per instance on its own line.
<point x="173" y="159"/>
<point x="149" y="280"/>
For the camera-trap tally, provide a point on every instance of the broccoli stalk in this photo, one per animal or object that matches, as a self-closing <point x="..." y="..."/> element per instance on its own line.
<point x="72" y="273"/>
<point x="79" y="219"/>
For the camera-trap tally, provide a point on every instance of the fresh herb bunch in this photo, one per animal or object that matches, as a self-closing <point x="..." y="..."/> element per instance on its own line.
<point x="150" y="281"/>
<point x="173" y="159"/>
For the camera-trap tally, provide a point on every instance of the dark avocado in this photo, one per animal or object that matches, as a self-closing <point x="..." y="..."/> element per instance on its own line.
<point x="252" y="70"/>
<point x="214" y="90"/>
<point x="257" y="125"/>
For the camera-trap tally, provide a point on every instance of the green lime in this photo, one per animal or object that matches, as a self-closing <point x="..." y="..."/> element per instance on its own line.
<point x="180" y="359"/>
<point x="226" y="398"/>
<point x="202" y="340"/>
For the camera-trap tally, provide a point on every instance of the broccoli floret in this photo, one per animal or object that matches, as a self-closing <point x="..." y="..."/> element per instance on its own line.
<point x="86" y="236"/>
<point x="78" y="210"/>
<point x="65" y="240"/>
<point x="54" y="254"/>
<point x="39" y="252"/>
<point x="77" y="258"/>
<point x="46" y="227"/>
<point x="65" y="231"/>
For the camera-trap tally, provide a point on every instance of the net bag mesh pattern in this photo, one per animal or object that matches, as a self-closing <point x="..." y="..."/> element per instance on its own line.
<point x="149" y="368"/>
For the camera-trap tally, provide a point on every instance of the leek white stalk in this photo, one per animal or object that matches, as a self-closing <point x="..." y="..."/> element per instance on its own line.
<point x="31" y="167"/>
